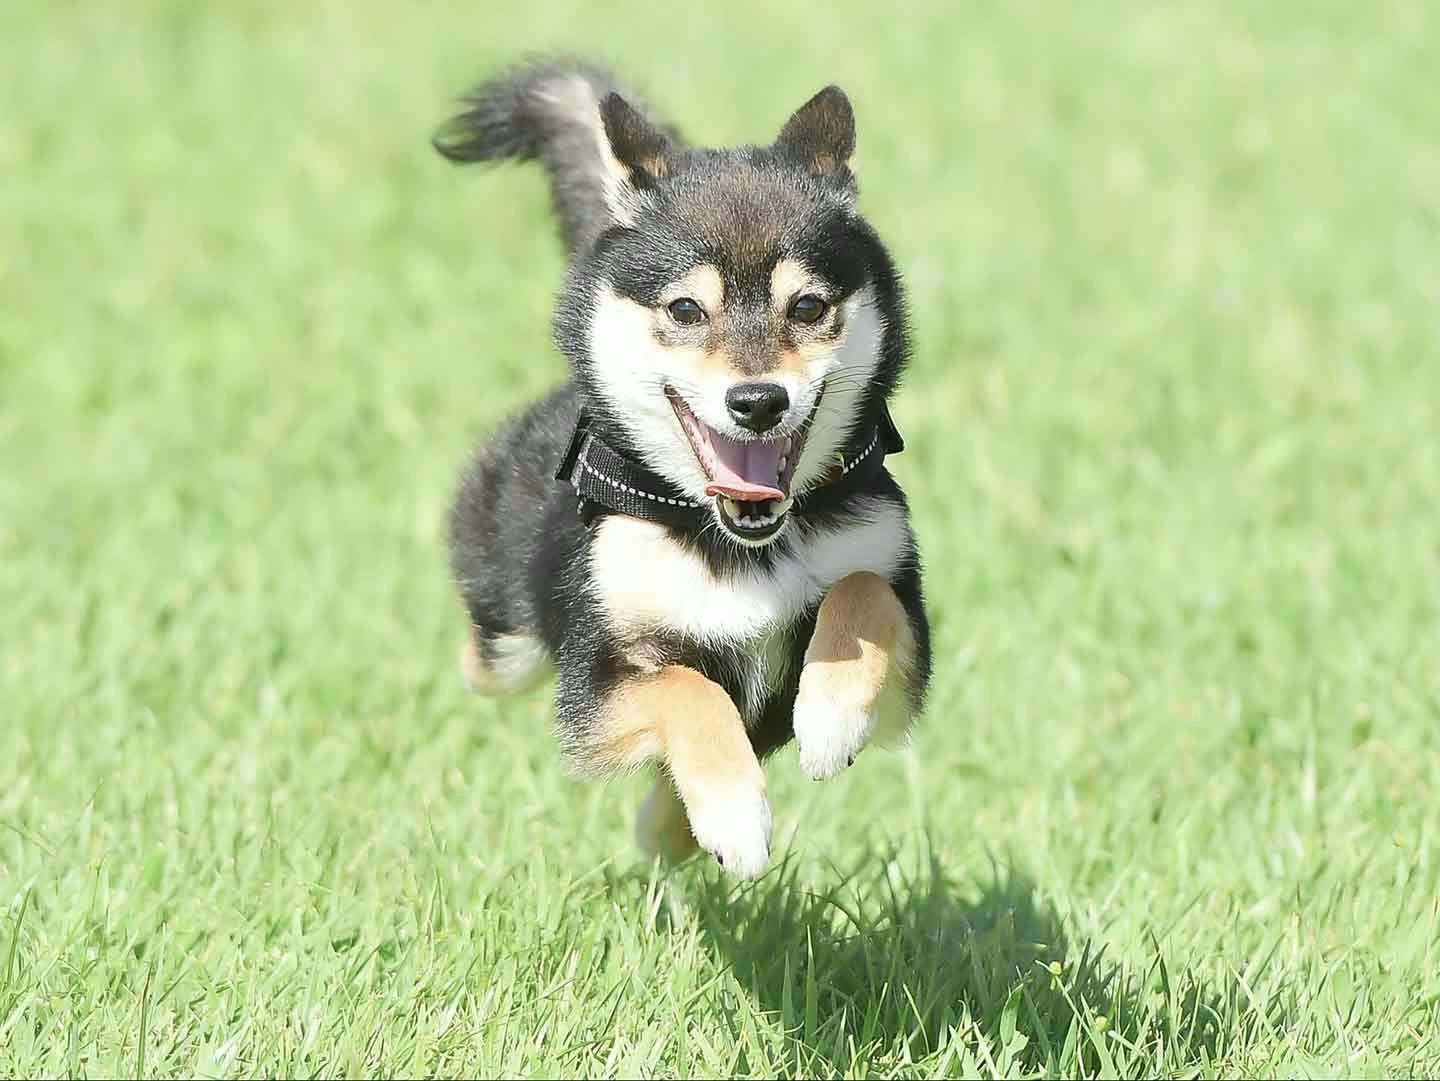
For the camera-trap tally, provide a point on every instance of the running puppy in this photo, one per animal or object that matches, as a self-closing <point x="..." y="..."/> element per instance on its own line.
<point x="697" y="529"/>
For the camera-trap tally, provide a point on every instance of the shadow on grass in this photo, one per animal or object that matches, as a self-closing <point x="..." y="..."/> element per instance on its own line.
<point x="893" y="966"/>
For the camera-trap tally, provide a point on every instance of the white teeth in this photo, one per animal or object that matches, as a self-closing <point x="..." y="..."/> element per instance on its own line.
<point x="784" y="461"/>
<point x="786" y="448"/>
<point x="775" y="508"/>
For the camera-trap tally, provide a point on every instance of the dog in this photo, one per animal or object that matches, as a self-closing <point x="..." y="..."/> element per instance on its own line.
<point x="697" y="533"/>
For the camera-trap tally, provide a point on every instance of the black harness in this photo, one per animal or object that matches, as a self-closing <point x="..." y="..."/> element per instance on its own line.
<point x="605" y="480"/>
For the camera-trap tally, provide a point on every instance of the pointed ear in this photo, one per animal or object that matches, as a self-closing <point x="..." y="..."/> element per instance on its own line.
<point x="639" y="148"/>
<point x="821" y="134"/>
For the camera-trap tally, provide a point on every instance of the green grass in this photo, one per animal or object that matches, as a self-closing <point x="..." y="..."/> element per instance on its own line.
<point x="1174" y="420"/>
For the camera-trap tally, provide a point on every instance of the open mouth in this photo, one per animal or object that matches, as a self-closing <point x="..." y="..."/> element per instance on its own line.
<point x="749" y="479"/>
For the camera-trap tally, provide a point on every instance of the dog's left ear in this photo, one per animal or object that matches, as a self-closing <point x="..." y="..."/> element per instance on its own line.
<point x="821" y="135"/>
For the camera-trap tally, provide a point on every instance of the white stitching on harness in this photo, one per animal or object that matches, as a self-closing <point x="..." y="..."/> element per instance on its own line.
<point x="861" y="456"/>
<point x="634" y="491"/>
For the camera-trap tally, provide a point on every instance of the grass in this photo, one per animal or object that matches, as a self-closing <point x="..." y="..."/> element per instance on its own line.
<point x="1173" y="419"/>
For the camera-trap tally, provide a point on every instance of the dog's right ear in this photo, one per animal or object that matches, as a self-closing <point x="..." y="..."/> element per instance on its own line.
<point x="635" y="153"/>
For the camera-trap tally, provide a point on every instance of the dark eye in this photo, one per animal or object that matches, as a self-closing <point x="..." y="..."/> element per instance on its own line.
<point x="807" y="309"/>
<point x="686" y="312"/>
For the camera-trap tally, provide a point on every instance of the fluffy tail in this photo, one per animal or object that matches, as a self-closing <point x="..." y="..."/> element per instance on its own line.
<point x="547" y="109"/>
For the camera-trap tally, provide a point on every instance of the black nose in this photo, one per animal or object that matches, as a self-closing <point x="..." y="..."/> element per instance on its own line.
<point x="757" y="406"/>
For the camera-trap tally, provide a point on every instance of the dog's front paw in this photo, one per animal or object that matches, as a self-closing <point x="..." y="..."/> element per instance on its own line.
<point x="734" y="827"/>
<point x="830" y="734"/>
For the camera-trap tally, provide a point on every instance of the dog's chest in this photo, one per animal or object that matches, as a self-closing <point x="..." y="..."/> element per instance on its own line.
<point x="739" y="626"/>
<point x="752" y="671"/>
<point x="648" y="583"/>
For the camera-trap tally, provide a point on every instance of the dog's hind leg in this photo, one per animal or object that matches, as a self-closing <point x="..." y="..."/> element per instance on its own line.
<point x="502" y="664"/>
<point x="662" y="827"/>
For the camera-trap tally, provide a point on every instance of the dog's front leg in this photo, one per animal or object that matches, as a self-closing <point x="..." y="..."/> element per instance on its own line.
<point x="856" y="683"/>
<point x="692" y="726"/>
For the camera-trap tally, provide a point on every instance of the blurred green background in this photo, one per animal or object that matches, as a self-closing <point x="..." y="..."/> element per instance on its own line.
<point x="1174" y="429"/>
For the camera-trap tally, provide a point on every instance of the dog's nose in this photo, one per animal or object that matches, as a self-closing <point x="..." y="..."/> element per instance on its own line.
<point x="757" y="406"/>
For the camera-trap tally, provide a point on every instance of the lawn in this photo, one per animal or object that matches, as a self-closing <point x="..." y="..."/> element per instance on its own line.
<point x="1174" y="427"/>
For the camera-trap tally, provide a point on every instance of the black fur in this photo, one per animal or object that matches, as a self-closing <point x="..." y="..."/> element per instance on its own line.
<point x="529" y="112"/>
<point x="518" y="549"/>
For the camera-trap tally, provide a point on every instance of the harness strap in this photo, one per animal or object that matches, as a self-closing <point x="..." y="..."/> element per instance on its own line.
<point x="605" y="480"/>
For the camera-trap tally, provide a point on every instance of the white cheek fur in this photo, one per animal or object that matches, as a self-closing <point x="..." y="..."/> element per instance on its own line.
<point x="846" y="374"/>
<point x="631" y="370"/>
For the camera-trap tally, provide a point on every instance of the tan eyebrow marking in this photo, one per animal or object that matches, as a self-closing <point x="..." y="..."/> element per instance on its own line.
<point x="789" y="279"/>
<point x="702" y="284"/>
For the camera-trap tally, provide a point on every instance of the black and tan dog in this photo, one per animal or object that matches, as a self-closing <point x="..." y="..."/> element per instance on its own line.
<point x="697" y="529"/>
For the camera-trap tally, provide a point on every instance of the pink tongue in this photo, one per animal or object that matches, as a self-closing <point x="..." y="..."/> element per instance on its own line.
<point x="747" y="471"/>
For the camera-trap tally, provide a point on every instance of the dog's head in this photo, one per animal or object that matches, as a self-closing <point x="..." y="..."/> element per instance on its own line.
<point x="739" y="318"/>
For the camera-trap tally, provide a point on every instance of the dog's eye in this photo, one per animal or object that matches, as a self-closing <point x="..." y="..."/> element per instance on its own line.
<point x="686" y="312"/>
<point x="807" y="309"/>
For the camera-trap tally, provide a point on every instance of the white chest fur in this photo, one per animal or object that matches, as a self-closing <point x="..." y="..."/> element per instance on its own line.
<point x="648" y="583"/>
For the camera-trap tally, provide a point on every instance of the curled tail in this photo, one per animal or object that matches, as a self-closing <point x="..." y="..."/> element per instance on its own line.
<point x="546" y="109"/>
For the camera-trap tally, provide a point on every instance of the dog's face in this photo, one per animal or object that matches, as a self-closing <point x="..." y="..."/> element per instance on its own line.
<point x="739" y="317"/>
